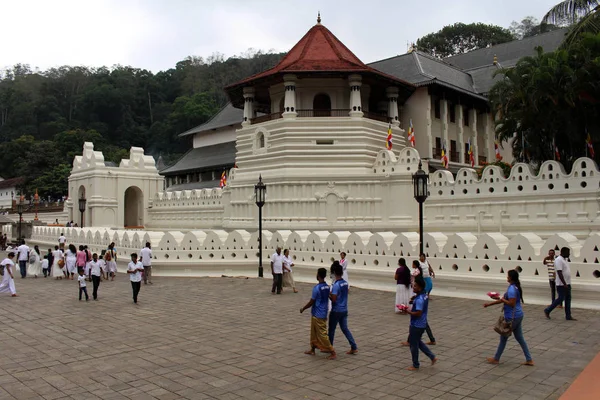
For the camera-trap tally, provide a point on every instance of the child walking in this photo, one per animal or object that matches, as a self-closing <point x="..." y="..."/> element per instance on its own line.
<point x="82" y="285"/>
<point x="135" y="270"/>
<point x="45" y="265"/>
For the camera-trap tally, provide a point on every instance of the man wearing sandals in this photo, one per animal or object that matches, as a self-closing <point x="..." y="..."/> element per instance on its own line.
<point x="339" y="308"/>
<point x="319" y="302"/>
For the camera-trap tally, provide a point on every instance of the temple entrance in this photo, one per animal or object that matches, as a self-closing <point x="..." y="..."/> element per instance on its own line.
<point x="134" y="207"/>
<point x="322" y="105"/>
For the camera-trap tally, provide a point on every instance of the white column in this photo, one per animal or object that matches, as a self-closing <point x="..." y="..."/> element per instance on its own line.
<point x="444" y="120"/>
<point x="489" y="138"/>
<point x="428" y="137"/>
<point x="355" y="82"/>
<point x="460" y="133"/>
<point x="392" y="95"/>
<point x="475" y="146"/>
<point x="289" y="105"/>
<point x="248" y="105"/>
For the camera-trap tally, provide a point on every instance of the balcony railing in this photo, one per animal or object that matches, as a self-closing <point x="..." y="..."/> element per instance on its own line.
<point x="454" y="156"/>
<point x="437" y="153"/>
<point x="482" y="159"/>
<point x="376" y="116"/>
<point x="324" y="113"/>
<point x="265" y="118"/>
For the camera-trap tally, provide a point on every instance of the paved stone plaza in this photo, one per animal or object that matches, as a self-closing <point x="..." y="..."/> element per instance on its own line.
<point x="229" y="338"/>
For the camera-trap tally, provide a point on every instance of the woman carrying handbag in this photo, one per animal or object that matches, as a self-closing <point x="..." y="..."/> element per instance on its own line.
<point x="512" y="319"/>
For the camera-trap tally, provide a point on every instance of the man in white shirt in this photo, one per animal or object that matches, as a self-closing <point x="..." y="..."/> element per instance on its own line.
<point x="135" y="269"/>
<point x="8" y="279"/>
<point x="96" y="271"/>
<point x="563" y="284"/>
<point x="61" y="241"/>
<point x="146" y="258"/>
<point x="23" y="252"/>
<point x="277" y="270"/>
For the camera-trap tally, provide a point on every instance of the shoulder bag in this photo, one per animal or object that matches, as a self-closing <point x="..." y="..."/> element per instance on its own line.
<point x="504" y="327"/>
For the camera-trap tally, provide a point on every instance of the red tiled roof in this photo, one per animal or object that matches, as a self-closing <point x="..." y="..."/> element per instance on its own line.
<point x="318" y="51"/>
<point x="12" y="182"/>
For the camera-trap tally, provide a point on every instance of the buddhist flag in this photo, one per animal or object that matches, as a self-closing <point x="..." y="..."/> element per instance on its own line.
<point x="590" y="147"/>
<point x="444" y="157"/>
<point x="471" y="155"/>
<point x="388" y="142"/>
<point x="411" y="134"/>
<point x="497" y="150"/>
<point x="223" y="182"/>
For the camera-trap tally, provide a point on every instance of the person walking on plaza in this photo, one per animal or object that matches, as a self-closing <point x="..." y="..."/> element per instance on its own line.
<point x="81" y="260"/>
<point x="402" y="278"/>
<point x="339" y="308"/>
<point x="111" y="261"/>
<point x="71" y="261"/>
<point x="45" y="265"/>
<point x="277" y="270"/>
<point x="288" y="275"/>
<point x="318" y="321"/>
<point x="418" y="274"/>
<point x="50" y="258"/>
<point x="146" y="257"/>
<point x="549" y="262"/>
<point x="61" y="241"/>
<point x="82" y="286"/>
<point x="135" y="270"/>
<point x="427" y="272"/>
<point x="418" y="324"/>
<point x="23" y="257"/>
<point x="8" y="279"/>
<point x="563" y="284"/>
<point x="96" y="272"/>
<point x="344" y="264"/>
<point x="35" y="262"/>
<point x="57" y="259"/>
<point x="513" y="311"/>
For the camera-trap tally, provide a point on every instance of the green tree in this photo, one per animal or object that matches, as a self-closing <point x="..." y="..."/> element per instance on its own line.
<point x="461" y="38"/>
<point x="52" y="182"/>
<point x="530" y="26"/>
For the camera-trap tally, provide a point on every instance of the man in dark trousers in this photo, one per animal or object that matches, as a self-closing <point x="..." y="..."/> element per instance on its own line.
<point x="563" y="284"/>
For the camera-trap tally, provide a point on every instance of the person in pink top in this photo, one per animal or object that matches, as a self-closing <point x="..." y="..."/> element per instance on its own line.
<point x="81" y="260"/>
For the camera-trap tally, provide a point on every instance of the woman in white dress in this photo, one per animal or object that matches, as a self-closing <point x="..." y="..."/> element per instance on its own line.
<point x="57" y="272"/>
<point x="71" y="261"/>
<point x="35" y="267"/>
<point x="288" y="275"/>
<point x="111" y="262"/>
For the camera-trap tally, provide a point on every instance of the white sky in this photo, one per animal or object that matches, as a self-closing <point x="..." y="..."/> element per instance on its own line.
<point x="156" y="34"/>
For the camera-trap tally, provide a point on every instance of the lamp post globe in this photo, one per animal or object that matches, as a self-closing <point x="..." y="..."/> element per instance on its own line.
<point x="82" y="202"/>
<point x="260" y="191"/>
<point x="421" y="189"/>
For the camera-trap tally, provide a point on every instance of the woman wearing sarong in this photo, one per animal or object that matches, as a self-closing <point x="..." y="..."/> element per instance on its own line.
<point x="35" y="267"/>
<point x="288" y="275"/>
<point x="57" y="271"/>
<point x="71" y="261"/>
<point x="403" y="284"/>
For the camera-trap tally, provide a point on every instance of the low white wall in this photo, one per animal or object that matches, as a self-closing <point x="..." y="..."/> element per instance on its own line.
<point x="466" y="265"/>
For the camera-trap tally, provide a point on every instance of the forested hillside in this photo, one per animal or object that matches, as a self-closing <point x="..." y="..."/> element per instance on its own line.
<point x="45" y="116"/>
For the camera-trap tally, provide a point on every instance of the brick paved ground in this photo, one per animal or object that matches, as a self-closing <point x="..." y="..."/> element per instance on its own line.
<point x="229" y="338"/>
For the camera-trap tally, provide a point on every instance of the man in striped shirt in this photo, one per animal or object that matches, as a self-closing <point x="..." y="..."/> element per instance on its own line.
<point x="549" y="263"/>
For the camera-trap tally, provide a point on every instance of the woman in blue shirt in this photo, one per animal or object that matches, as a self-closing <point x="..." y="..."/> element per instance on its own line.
<point x="512" y="300"/>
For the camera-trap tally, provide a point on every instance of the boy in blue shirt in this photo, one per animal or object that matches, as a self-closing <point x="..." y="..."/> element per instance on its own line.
<point x="319" y="302"/>
<point x="339" y="308"/>
<point x="418" y="323"/>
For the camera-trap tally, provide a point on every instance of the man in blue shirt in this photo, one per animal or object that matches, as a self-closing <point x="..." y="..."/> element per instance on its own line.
<point x="319" y="302"/>
<point x="339" y="308"/>
<point x="418" y="323"/>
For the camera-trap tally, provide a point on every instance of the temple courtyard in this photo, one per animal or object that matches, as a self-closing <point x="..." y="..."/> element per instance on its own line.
<point x="229" y="338"/>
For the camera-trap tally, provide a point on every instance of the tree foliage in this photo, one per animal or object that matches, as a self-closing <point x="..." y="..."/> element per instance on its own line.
<point x="530" y="26"/>
<point x="584" y="15"/>
<point x="45" y="116"/>
<point x="461" y="38"/>
<point x="550" y="99"/>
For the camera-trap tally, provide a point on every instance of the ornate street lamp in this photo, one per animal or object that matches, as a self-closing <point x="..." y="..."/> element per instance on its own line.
<point x="420" y="182"/>
<point x="20" y="201"/>
<point x="36" y="201"/>
<point x="260" y="190"/>
<point x="82" y="202"/>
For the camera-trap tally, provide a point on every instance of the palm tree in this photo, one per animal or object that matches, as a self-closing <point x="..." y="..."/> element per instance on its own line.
<point x="584" y="15"/>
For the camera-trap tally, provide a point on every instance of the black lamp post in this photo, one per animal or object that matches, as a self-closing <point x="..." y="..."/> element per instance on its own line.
<point x="260" y="190"/>
<point x="82" y="202"/>
<point x="420" y="181"/>
<point x="20" y="212"/>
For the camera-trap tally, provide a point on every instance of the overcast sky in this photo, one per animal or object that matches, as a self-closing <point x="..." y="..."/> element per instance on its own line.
<point x="155" y="34"/>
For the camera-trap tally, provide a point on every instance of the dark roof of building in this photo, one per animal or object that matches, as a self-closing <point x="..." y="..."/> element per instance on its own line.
<point x="12" y="182"/>
<point x="422" y="69"/>
<point x="195" y="185"/>
<point x="227" y="116"/>
<point x="508" y="53"/>
<point x="222" y="154"/>
<point x="483" y="77"/>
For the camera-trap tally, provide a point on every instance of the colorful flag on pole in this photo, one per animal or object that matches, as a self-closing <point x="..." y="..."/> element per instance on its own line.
<point x="223" y="182"/>
<point x="471" y="155"/>
<point x="411" y="134"/>
<point x="590" y="146"/>
<point x="497" y="150"/>
<point x="444" y="157"/>
<point x="388" y="142"/>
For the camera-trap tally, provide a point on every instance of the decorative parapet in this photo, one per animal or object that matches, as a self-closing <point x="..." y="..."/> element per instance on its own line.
<point x="388" y="164"/>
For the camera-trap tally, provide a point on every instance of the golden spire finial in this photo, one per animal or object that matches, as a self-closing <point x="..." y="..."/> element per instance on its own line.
<point x="319" y="17"/>
<point x="495" y="60"/>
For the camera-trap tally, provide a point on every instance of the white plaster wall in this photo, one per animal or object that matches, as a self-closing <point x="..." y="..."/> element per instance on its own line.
<point x="6" y="198"/>
<point x="221" y="135"/>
